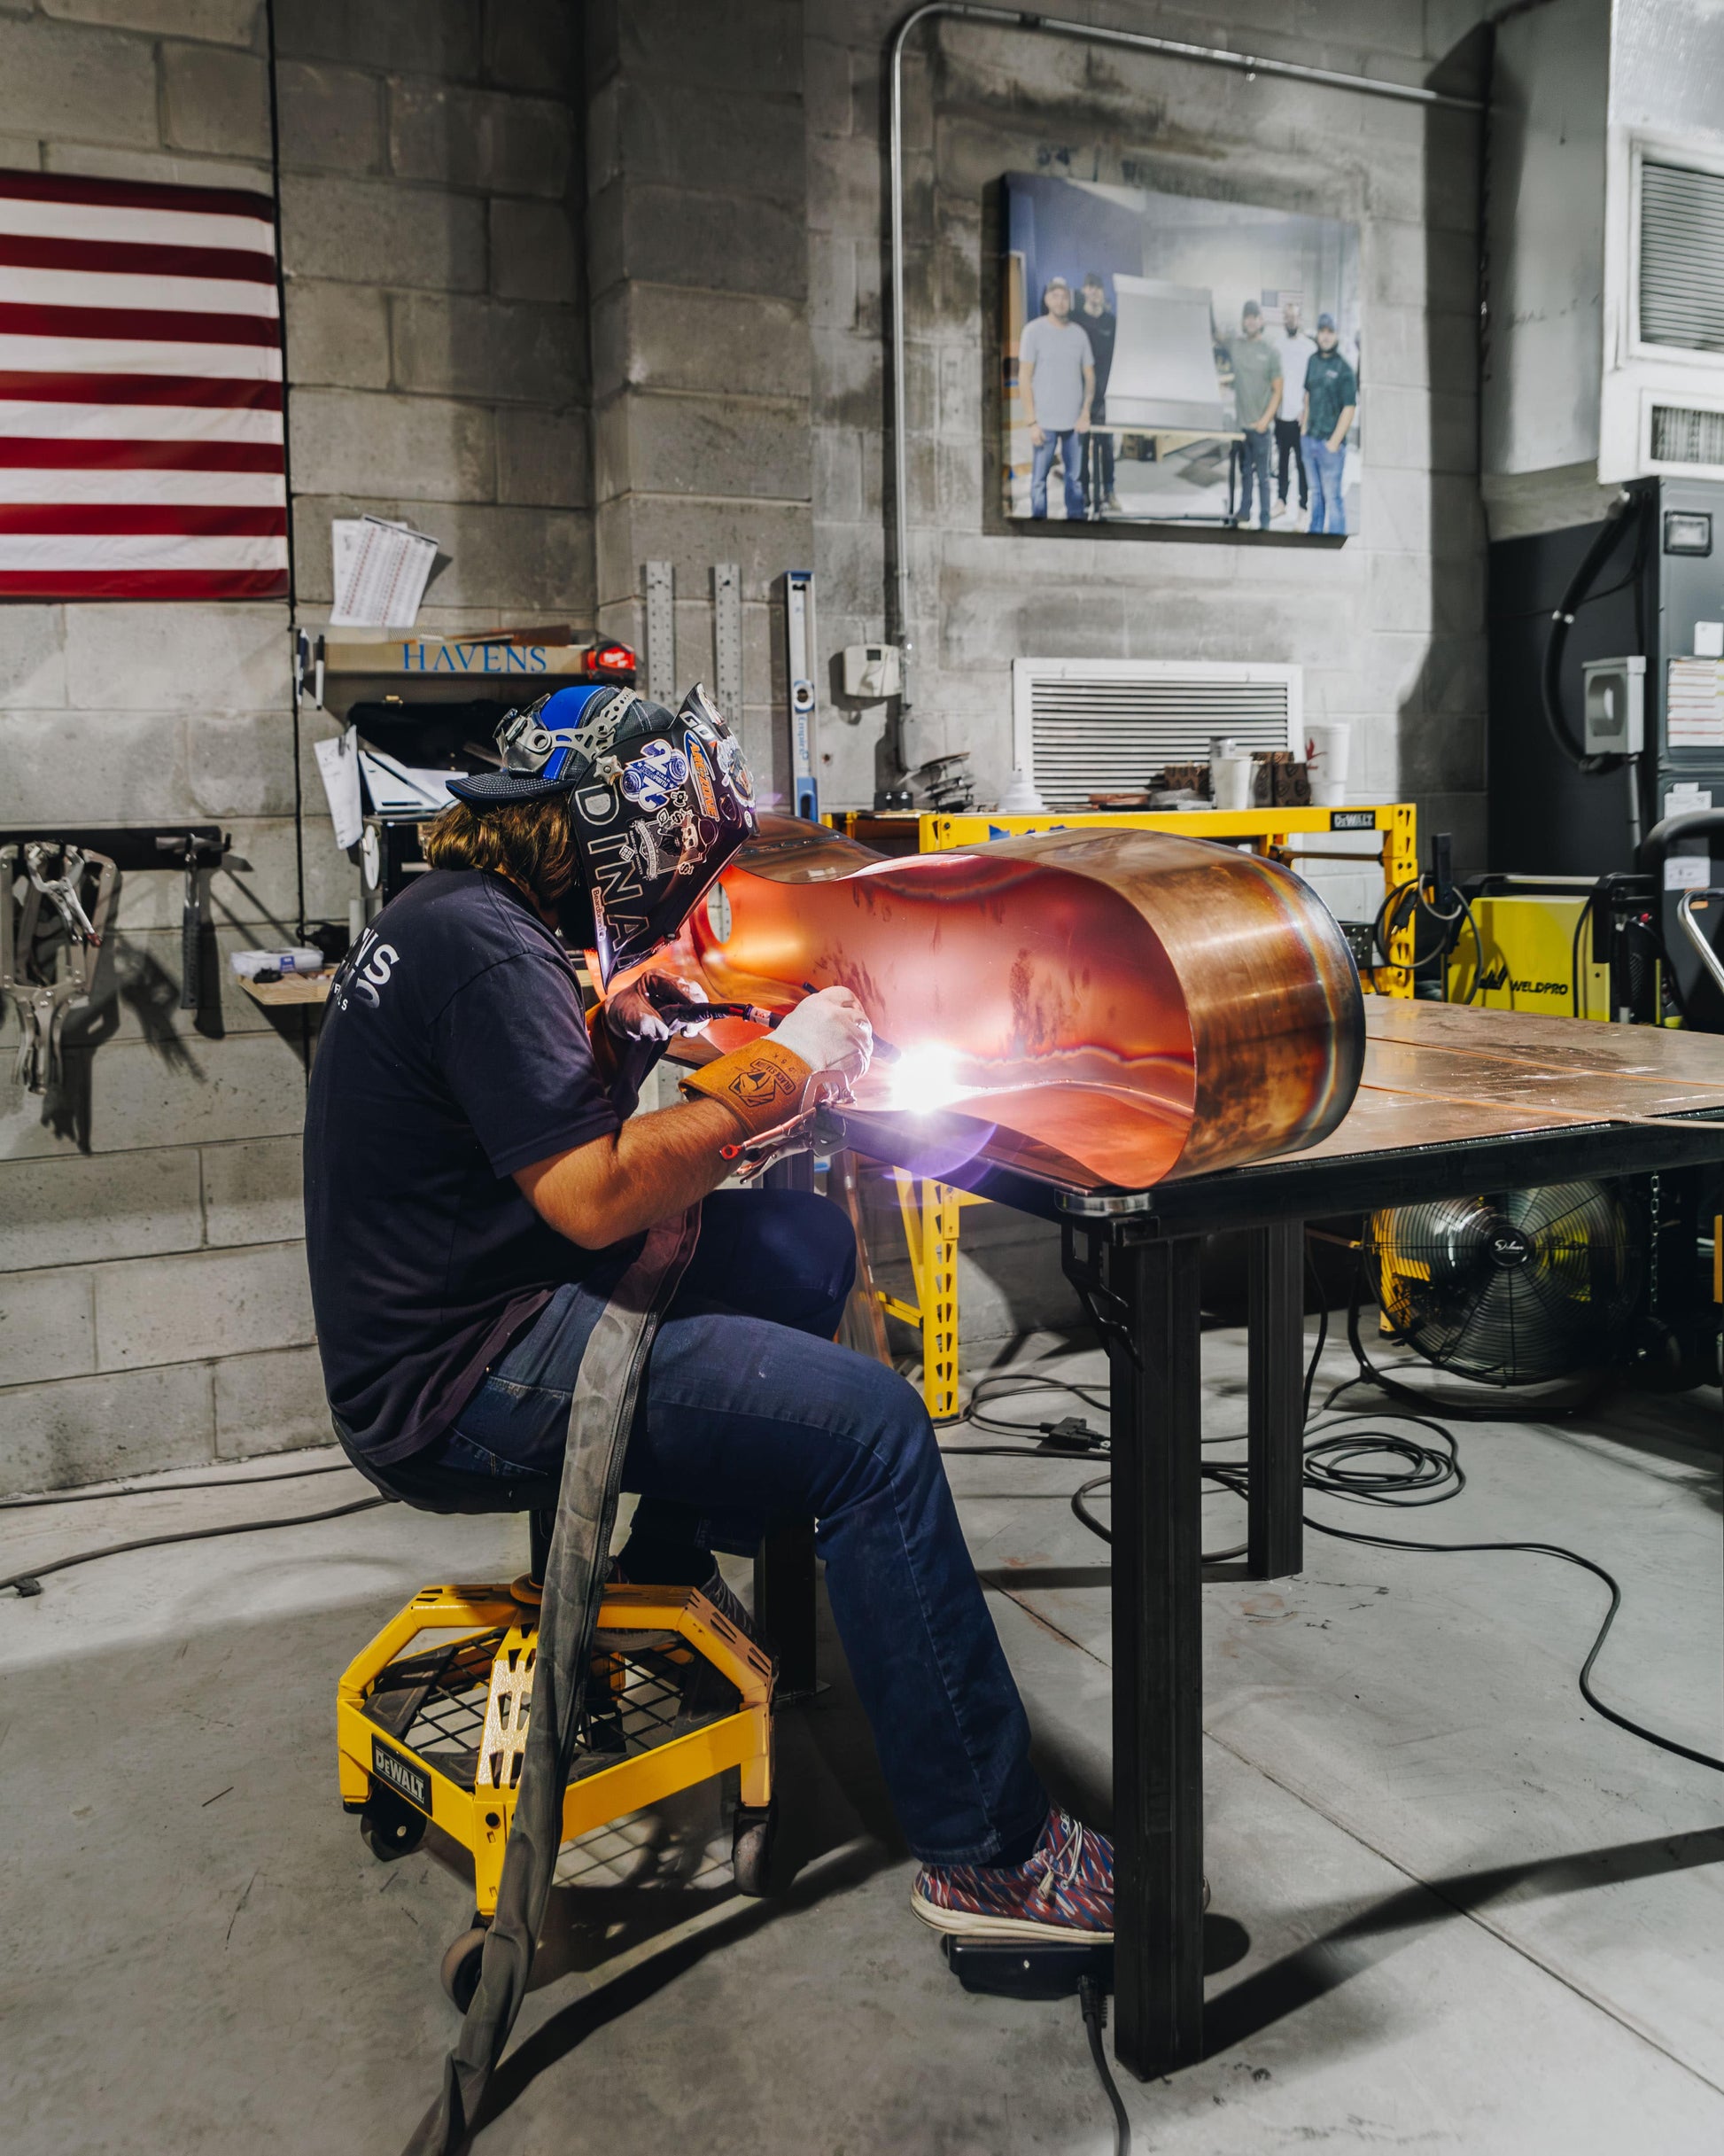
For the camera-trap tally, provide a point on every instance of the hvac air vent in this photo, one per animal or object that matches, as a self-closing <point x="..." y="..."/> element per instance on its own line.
<point x="1103" y="726"/>
<point x="1681" y="435"/>
<point x="1681" y="263"/>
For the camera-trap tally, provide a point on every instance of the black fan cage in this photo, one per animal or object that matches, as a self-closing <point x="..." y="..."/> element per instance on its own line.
<point x="1513" y="1287"/>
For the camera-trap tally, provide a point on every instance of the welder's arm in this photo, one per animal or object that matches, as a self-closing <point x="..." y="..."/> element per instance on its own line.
<point x="656" y="1164"/>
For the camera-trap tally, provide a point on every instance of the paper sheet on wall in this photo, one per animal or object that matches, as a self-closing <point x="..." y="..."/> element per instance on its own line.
<point x="1694" y="704"/>
<point x="402" y="790"/>
<point x="337" y="766"/>
<point x="380" y="572"/>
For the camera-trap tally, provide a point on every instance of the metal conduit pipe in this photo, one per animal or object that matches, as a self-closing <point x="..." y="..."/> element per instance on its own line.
<point x="1023" y="19"/>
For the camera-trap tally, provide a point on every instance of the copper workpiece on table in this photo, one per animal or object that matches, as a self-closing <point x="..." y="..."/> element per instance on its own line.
<point x="1105" y="1007"/>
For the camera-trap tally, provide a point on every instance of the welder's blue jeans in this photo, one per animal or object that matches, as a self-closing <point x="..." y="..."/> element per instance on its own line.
<point x="751" y="1413"/>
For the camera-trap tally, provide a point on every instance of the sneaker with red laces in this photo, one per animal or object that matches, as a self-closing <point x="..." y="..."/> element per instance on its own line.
<point x="1063" y="1890"/>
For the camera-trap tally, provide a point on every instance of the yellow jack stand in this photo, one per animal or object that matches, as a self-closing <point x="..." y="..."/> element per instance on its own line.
<point x="434" y="1730"/>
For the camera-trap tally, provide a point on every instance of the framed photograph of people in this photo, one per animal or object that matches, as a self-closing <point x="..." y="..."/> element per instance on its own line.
<point x="1173" y="360"/>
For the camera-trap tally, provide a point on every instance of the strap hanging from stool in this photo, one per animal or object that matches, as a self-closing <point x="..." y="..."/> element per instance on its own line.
<point x="600" y="1416"/>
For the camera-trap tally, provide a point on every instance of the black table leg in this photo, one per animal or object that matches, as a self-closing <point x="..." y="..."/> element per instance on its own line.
<point x="1158" y="1671"/>
<point x="1276" y="1317"/>
<point x="784" y="1603"/>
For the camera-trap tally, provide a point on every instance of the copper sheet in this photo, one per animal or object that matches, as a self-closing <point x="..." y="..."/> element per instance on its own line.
<point x="1662" y="1055"/>
<point x="1112" y="1006"/>
<point x="1438" y="1073"/>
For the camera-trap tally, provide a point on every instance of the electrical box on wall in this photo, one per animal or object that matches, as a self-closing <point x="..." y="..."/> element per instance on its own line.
<point x="872" y="672"/>
<point x="1615" y="706"/>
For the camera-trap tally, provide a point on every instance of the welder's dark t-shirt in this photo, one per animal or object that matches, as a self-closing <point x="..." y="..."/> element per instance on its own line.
<point x="454" y="1052"/>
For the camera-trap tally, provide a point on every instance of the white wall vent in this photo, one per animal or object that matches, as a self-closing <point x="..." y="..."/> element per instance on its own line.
<point x="1682" y="259"/>
<point x="1084" y="726"/>
<point x="1683" y="434"/>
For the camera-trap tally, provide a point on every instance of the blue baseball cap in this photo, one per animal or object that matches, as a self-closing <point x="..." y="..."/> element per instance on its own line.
<point x="1325" y="322"/>
<point x="552" y="745"/>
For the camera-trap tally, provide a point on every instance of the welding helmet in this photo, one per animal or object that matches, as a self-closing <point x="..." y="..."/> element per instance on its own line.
<point x="661" y="802"/>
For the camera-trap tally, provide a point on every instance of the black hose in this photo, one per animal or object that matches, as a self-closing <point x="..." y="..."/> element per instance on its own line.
<point x="1561" y="622"/>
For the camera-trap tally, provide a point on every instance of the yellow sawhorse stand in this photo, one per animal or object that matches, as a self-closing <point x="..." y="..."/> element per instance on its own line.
<point x="1287" y="835"/>
<point x="436" y="1734"/>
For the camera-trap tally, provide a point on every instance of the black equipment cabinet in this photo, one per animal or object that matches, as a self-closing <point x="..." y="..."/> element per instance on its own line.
<point x="1663" y="575"/>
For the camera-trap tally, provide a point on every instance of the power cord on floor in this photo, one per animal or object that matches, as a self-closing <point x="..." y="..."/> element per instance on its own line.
<point x="1355" y="1459"/>
<point x="1092" y="2000"/>
<point x="29" y="1582"/>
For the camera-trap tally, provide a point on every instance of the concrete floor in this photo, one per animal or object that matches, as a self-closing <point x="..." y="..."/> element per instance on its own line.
<point x="1453" y="1907"/>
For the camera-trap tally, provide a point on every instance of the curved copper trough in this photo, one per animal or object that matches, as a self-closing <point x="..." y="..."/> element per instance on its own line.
<point x="1106" y="1007"/>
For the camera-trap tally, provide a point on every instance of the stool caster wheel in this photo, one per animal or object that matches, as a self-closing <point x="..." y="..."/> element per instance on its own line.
<point x="752" y="1846"/>
<point x="391" y="1829"/>
<point x="459" y="1973"/>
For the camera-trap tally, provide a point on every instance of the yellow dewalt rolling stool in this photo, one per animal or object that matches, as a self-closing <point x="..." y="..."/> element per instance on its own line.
<point x="431" y="1718"/>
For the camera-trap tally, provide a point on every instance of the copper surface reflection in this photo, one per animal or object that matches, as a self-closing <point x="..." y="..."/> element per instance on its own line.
<point x="1119" y="1006"/>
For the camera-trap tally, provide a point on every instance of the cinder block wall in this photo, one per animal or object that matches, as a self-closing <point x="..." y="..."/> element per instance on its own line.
<point x="439" y="255"/>
<point x="154" y="1304"/>
<point x="697" y="206"/>
<point x="1390" y="631"/>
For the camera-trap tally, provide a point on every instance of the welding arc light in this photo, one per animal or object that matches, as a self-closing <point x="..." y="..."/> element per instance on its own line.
<point x="925" y="1076"/>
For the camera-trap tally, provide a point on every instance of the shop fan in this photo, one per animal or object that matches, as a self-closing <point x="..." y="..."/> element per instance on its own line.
<point x="1518" y="1287"/>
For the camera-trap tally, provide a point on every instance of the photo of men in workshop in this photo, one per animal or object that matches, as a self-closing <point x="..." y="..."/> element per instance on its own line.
<point x="1187" y="402"/>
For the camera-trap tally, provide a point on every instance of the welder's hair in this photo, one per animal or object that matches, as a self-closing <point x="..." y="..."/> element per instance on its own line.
<point x="534" y="842"/>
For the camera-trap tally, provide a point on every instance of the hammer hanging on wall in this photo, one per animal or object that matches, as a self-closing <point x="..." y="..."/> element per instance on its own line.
<point x="194" y="853"/>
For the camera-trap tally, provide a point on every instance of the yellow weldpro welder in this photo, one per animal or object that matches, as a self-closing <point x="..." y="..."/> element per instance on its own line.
<point x="1533" y="949"/>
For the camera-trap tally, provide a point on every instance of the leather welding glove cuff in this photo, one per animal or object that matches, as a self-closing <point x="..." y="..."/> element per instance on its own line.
<point x="763" y="1085"/>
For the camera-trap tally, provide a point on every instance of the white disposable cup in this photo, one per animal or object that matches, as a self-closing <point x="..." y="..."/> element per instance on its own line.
<point x="1230" y="781"/>
<point x="1326" y="761"/>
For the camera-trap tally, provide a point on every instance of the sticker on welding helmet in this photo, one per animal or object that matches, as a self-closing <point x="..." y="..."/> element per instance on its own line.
<point x="718" y="913"/>
<point x="698" y="712"/>
<point x="618" y="896"/>
<point x="654" y="775"/>
<point x="595" y="804"/>
<point x="735" y="767"/>
<point x="699" y="778"/>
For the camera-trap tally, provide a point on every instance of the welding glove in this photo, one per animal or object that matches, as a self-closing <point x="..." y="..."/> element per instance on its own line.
<point x="830" y="1032"/>
<point x="654" y="1007"/>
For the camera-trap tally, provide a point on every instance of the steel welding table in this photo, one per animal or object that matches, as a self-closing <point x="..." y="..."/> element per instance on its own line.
<point x="1454" y="1101"/>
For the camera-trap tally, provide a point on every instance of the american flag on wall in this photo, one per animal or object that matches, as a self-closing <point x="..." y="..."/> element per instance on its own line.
<point x="141" y="451"/>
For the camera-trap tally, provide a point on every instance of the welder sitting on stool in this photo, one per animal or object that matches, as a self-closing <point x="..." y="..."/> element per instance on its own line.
<point x="475" y="1194"/>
